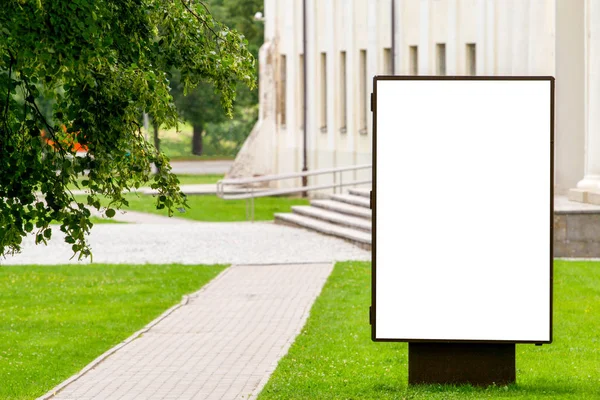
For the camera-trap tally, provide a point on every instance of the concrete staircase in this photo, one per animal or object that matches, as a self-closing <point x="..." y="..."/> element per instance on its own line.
<point x="347" y="216"/>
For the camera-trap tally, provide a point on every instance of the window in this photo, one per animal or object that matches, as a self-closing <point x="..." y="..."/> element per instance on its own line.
<point x="471" y="59"/>
<point x="282" y="90"/>
<point x="323" y="92"/>
<point x="343" y="93"/>
<point x="414" y="60"/>
<point x="387" y="62"/>
<point x="441" y="59"/>
<point x="301" y="98"/>
<point x="362" y="93"/>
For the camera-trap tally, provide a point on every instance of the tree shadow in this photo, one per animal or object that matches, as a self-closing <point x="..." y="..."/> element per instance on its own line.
<point x="549" y="390"/>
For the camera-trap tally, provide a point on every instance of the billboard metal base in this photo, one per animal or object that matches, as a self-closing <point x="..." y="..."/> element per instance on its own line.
<point x="478" y="364"/>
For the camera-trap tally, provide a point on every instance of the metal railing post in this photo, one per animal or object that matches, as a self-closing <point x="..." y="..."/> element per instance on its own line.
<point x="252" y="203"/>
<point x="334" y="183"/>
<point x="246" y="209"/>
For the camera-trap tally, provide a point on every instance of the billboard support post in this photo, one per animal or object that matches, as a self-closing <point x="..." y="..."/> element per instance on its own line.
<point x="478" y="364"/>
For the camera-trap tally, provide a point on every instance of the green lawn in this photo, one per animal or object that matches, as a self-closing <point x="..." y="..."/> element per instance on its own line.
<point x="54" y="320"/>
<point x="99" y="220"/>
<point x="198" y="179"/>
<point x="213" y="209"/>
<point x="334" y="357"/>
<point x="178" y="145"/>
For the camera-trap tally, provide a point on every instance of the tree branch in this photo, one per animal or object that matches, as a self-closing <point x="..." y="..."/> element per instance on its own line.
<point x="12" y="61"/>
<point x="29" y="99"/>
<point x="202" y="21"/>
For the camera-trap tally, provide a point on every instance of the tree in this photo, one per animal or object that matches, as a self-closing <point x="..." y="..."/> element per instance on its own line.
<point x="100" y="64"/>
<point x="200" y="106"/>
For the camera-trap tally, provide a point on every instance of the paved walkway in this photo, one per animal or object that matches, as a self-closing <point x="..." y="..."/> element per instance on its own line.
<point x="222" y="344"/>
<point x="195" y="243"/>
<point x="217" y="167"/>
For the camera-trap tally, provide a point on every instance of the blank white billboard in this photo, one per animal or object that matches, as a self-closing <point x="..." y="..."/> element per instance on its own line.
<point x="462" y="209"/>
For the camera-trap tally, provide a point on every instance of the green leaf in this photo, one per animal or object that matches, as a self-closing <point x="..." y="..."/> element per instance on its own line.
<point x="85" y="71"/>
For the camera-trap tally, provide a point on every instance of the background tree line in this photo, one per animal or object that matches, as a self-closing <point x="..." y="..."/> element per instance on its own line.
<point x="201" y="107"/>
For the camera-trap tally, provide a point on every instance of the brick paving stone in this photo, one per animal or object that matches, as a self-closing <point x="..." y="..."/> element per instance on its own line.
<point x="223" y="344"/>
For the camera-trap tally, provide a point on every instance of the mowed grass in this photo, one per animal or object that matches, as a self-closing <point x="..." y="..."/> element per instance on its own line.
<point x="209" y="208"/>
<point x="97" y="220"/>
<point x="54" y="320"/>
<point x="198" y="179"/>
<point x="334" y="357"/>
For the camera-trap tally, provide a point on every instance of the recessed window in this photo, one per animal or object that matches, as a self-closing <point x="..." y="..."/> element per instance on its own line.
<point x="471" y="59"/>
<point x="282" y="90"/>
<point x="413" y="55"/>
<point x="343" y="93"/>
<point x="440" y="59"/>
<point x="301" y="92"/>
<point x="362" y="93"/>
<point x="323" y="92"/>
<point x="387" y="61"/>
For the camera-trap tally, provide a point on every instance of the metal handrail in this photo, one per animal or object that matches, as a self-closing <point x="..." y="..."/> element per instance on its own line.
<point x="267" y="178"/>
<point x="250" y="193"/>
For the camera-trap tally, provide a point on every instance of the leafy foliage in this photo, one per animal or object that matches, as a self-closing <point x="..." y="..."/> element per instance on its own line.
<point x="200" y="108"/>
<point x="99" y="64"/>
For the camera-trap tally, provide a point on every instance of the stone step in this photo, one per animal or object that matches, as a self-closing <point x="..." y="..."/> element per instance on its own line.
<point x="333" y="217"/>
<point x="362" y="192"/>
<point x="358" y="237"/>
<point x="342" y="208"/>
<point x="351" y="199"/>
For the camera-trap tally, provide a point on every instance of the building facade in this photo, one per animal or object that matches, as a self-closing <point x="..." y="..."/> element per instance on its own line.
<point x="349" y="41"/>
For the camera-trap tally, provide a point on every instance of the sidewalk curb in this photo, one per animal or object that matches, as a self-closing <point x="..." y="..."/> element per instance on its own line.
<point x="184" y="301"/>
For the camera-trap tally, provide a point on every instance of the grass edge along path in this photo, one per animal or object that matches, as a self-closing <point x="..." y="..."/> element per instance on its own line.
<point x="55" y="320"/>
<point x="334" y="357"/>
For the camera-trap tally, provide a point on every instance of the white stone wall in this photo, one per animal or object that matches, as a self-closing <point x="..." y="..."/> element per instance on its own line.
<point x="511" y="37"/>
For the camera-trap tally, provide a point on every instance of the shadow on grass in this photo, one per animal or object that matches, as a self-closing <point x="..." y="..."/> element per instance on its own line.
<point x="532" y="390"/>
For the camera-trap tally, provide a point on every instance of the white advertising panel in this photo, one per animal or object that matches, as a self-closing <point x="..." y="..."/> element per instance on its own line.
<point x="462" y="208"/>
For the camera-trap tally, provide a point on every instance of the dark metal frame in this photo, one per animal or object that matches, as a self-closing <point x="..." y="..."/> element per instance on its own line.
<point x="373" y="308"/>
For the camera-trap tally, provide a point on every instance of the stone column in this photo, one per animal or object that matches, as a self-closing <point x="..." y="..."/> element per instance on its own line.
<point x="541" y="38"/>
<point x="400" y="51"/>
<point x="503" y="31"/>
<point x="425" y="67"/>
<point x="490" y="37"/>
<point x="570" y="100"/>
<point x="482" y="43"/>
<point x="452" y="67"/>
<point x="520" y="42"/>
<point x="591" y="179"/>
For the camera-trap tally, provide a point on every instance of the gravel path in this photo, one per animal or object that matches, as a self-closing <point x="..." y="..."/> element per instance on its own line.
<point x="201" y="167"/>
<point x="196" y="243"/>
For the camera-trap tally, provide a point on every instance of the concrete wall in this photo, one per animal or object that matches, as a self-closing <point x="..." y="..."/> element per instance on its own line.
<point x="511" y="37"/>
